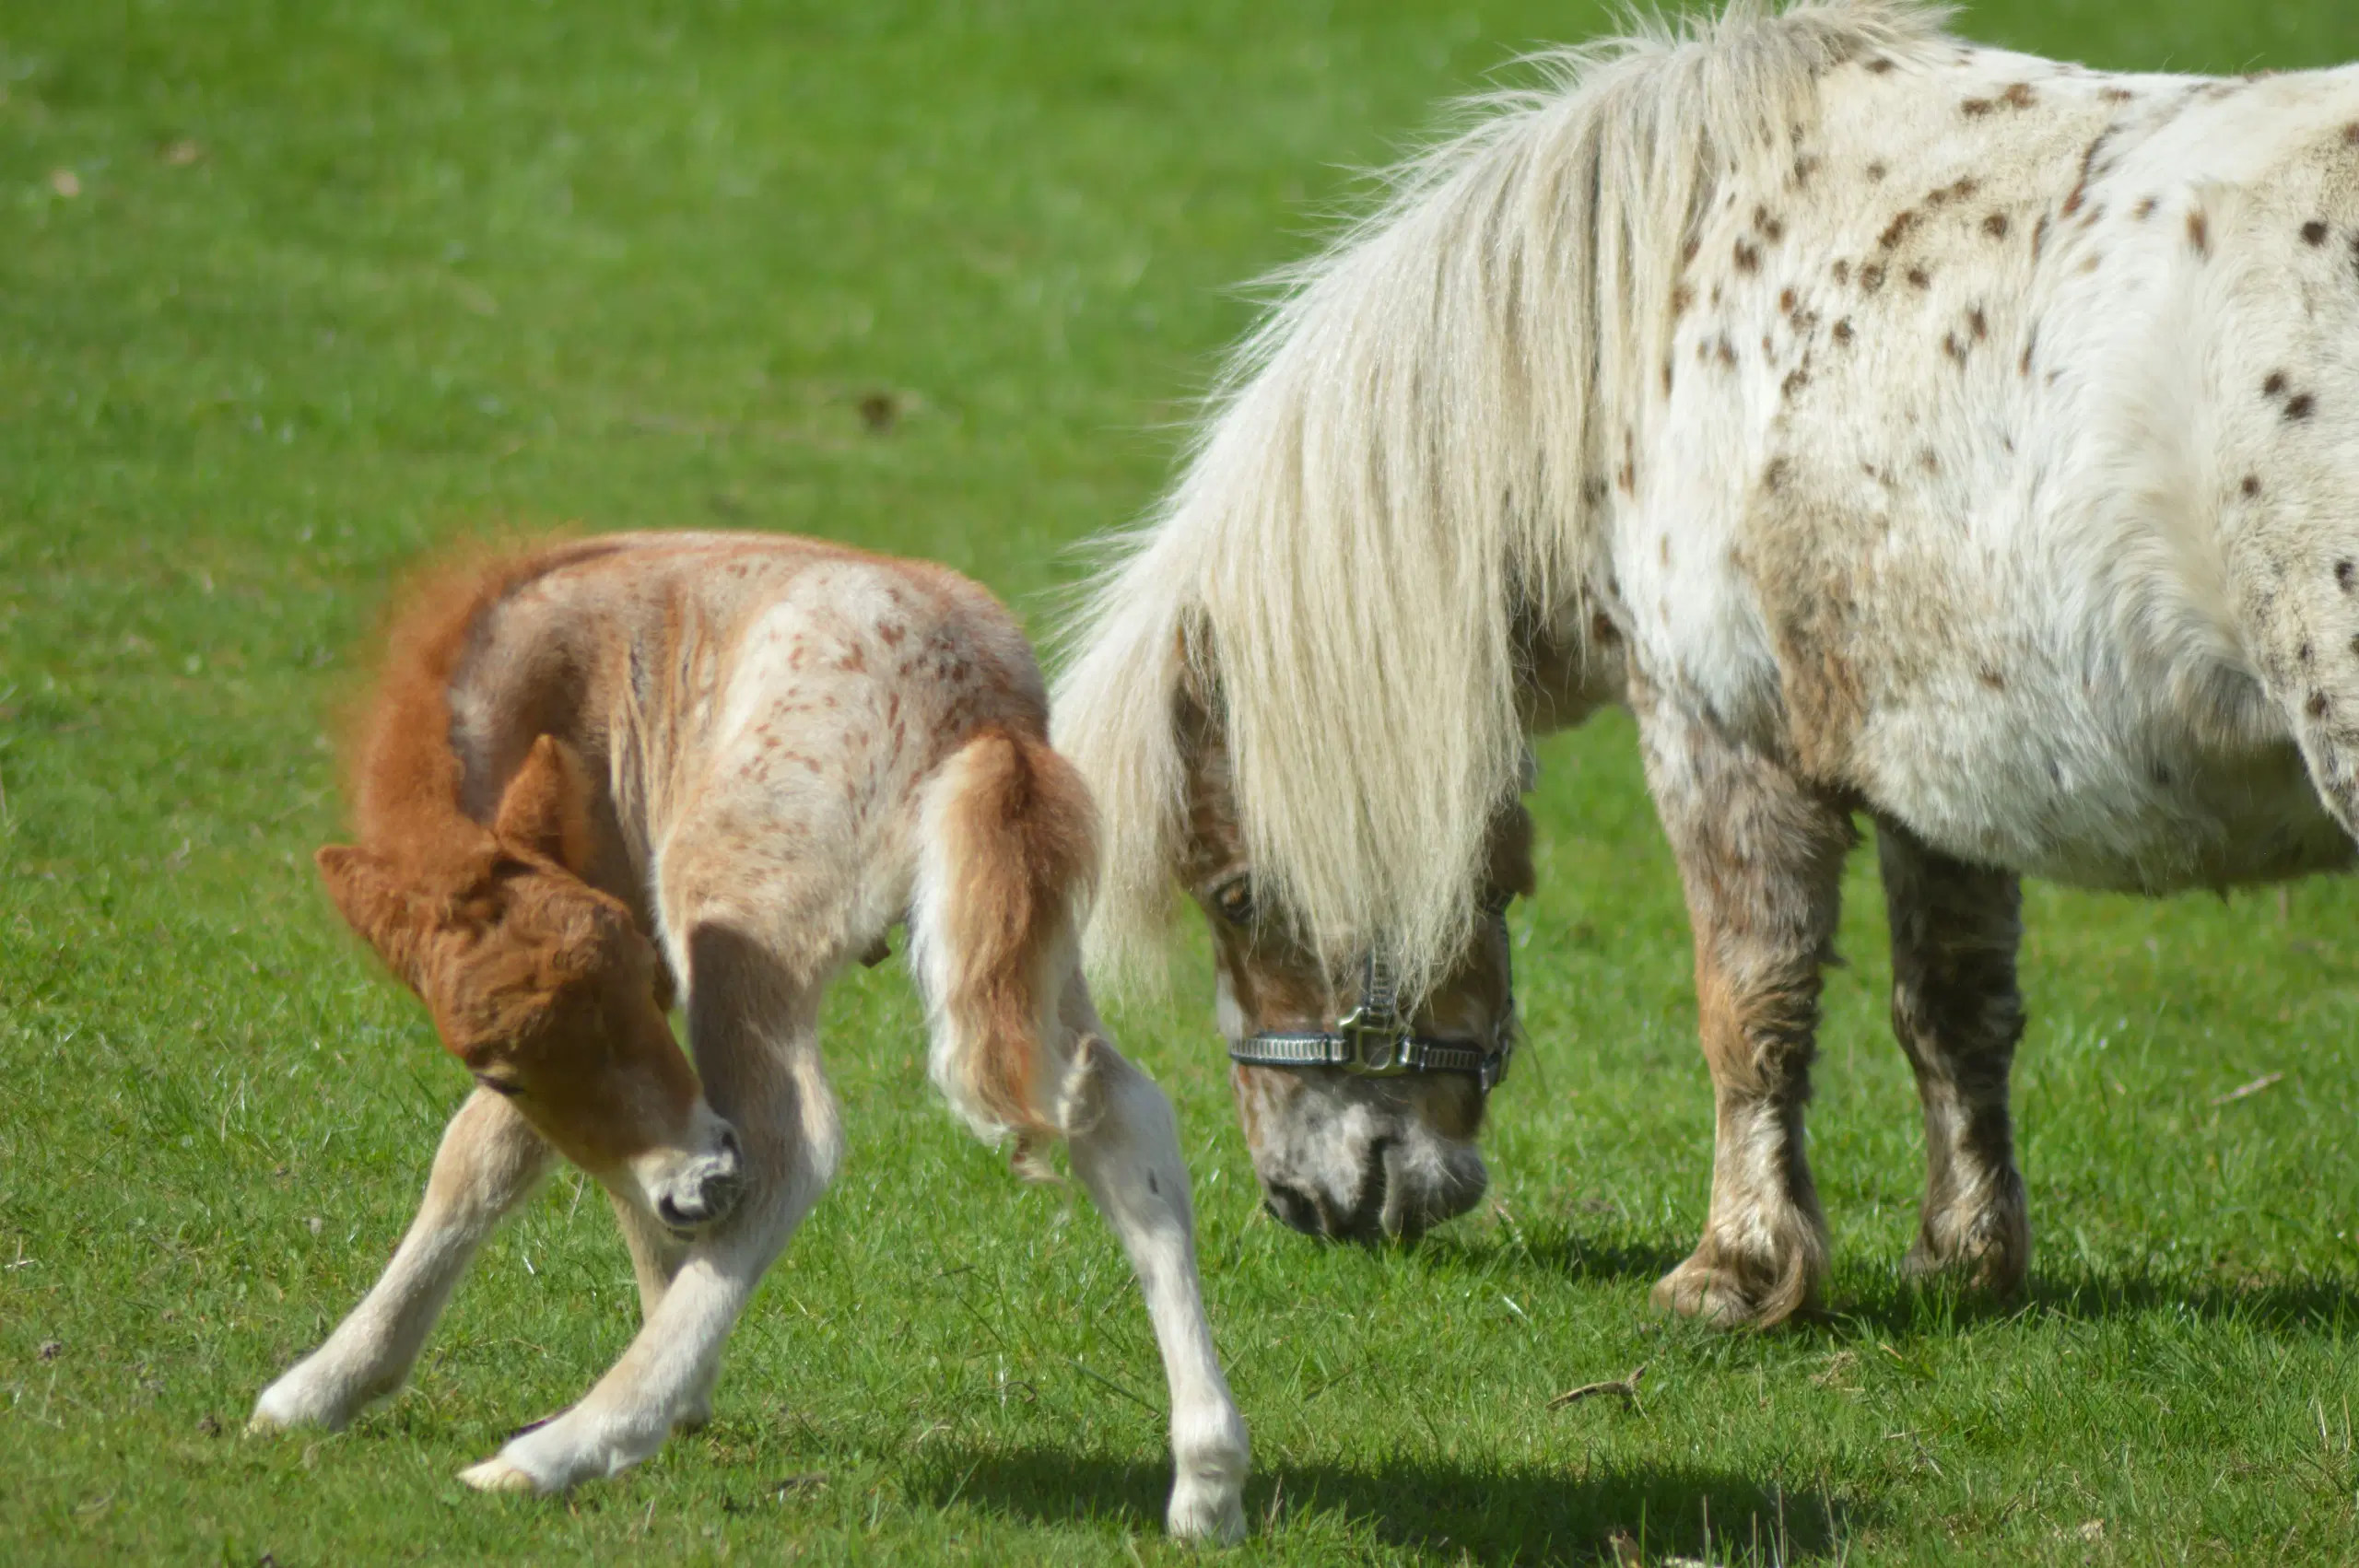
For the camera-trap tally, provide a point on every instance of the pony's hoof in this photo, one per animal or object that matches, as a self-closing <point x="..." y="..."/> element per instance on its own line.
<point x="497" y="1474"/>
<point x="1212" y="1514"/>
<point x="1989" y="1265"/>
<point x="262" y="1423"/>
<point x="1715" y="1293"/>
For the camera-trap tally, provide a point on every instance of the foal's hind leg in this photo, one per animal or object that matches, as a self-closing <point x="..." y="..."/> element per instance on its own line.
<point x="489" y="1161"/>
<point x="1955" y="1005"/>
<point x="1126" y="1150"/>
<point x="1761" y="857"/>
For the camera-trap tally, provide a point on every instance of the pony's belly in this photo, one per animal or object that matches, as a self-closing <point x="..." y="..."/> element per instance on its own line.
<point x="2127" y="817"/>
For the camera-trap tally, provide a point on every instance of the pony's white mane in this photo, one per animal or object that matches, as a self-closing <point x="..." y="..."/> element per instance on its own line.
<point x="1407" y="460"/>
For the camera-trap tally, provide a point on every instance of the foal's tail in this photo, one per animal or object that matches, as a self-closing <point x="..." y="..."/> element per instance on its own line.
<point x="1007" y="861"/>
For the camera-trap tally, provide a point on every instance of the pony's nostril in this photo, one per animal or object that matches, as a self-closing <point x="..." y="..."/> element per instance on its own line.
<point x="730" y="1155"/>
<point x="668" y="1209"/>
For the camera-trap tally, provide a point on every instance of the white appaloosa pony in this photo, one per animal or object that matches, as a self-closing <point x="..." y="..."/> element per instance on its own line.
<point x="1899" y="427"/>
<point x="734" y="761"/>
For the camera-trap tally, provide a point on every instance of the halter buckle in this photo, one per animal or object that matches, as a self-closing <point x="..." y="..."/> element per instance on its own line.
<point x="1378" y="1042"/>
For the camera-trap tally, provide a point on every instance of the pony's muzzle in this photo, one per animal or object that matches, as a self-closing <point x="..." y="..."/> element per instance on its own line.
<point x="703" y="1190"/>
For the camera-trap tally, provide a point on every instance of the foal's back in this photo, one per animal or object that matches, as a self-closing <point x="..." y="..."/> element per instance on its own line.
<point x="755" y="713"/>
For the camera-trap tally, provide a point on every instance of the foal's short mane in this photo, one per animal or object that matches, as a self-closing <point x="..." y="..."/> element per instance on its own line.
<point x="406" y="779"/>
<point x="1410" y="457"/>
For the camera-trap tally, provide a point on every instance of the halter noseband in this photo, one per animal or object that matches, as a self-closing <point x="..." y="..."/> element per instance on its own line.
<point x="1373" y="1040"/>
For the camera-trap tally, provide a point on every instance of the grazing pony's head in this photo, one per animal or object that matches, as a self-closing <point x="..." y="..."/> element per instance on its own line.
<point x="544" y="986"/>
<point x="1339" y="1151"/>
<point x="1408" y="482"/>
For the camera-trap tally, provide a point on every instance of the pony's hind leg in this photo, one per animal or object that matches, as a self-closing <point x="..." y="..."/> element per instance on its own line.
<point x="1958" y="1013"/>
<point x="1126" y="1150"/>
<point x="1761" y="857"/>
<point x="489" y="1161"/>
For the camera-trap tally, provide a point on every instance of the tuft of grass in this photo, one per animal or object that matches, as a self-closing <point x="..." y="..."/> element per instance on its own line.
<point x="292" y="293"/>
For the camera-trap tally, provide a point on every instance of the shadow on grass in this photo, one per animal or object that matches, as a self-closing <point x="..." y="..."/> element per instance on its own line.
<point x="2305" y="1303"/>
<point x="1495" y="1514"/>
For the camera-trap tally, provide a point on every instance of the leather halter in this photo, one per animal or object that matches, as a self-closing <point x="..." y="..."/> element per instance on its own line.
<point x="1373" y="1040"/>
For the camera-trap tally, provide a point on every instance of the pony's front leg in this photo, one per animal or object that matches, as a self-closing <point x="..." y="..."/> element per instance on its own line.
<point x="788" y="1127"/>
<point x="489" y="1161"/>
<point x="1126" y="1150"/>
<point x="1761" y="857"/>
<point x="1958" y="1014"/>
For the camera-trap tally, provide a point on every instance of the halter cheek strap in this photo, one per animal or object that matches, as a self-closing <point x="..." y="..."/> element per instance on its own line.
<point x="1373" y="1040"/>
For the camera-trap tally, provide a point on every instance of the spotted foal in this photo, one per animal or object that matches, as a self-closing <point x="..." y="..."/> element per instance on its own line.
<point x="724" y="766"/>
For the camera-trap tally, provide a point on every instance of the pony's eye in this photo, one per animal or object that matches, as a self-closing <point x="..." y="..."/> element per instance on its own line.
<point x="1234" y="899"/>
<point x="499" y="1086"/>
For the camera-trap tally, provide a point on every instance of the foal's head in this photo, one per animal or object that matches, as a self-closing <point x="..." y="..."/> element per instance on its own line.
<point x="548" y="990"/>
<point x="1339" y="1151"/>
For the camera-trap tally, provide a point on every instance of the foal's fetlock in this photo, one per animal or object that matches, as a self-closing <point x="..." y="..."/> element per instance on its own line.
<point x="558" y="1456"/>
<point x="312" y="1394"/>
<point x="1730" y="1287"/>
<point x="1208" y="1484"/>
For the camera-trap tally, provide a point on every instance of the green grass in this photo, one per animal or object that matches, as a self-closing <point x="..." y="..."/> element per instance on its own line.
<point x="440" y="269"/>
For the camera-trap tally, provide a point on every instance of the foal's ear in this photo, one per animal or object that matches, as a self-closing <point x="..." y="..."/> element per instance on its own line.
<point x="372" y="903"/>
<point x="546" y="808"/>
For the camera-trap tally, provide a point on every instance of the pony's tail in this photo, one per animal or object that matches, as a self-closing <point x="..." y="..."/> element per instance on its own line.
<point x="1007" y="861"/>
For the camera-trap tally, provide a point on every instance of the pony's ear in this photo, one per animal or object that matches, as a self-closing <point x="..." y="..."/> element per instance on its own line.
<point x="372" y="903"/>
<point x="546" y="808"/>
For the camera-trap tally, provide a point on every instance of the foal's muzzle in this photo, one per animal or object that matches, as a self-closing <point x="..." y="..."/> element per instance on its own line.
<point x="703" y="1190"/>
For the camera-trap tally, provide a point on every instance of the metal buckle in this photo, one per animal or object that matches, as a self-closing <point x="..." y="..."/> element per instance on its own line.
<point x="1379" y="1046"/>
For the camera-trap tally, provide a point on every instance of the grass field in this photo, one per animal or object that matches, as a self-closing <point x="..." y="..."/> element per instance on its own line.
<point x="291" y="292"/>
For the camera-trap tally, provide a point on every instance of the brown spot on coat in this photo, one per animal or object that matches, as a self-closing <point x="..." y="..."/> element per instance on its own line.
<point x="2346" y="576"/>
<point x="2275" y="385"/>
<point x="2198" y="232"/>
<point x="2317" y="707"/>
<point x="1871" y="277"/>
<point x="1843" y="329"/>
<point x="2300" y="408"/>
<point x="1995" y="225"/>
<point x="1748" y="256"/>
<point x="2144" y="209"/>
<point x="2314" y="233"/>
<point x="1876" y="170"/>
<point x="1898" y="230"/>
<point x="1976" y="108"/>
<point x="2251" y="487"/>
<point x="1919" y="278"/>
<point x="1977" y="324"/>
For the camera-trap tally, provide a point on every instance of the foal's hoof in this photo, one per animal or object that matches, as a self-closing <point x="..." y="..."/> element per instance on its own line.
<point x="1212" y="1514"/>
<point x="1729" y="1297"/>
<point x="496" y="1474"/>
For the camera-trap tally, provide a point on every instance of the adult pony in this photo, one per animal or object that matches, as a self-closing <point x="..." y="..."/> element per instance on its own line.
<point x="723" y="765"/>
<point x="1899" y="427"/>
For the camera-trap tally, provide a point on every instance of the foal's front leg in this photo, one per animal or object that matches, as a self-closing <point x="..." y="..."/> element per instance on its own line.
<point x="489" y="1161"/>
<point x="1958" y="1013"/>
<point x="1761" y="856"/>
<point x="775" y="1097"/>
